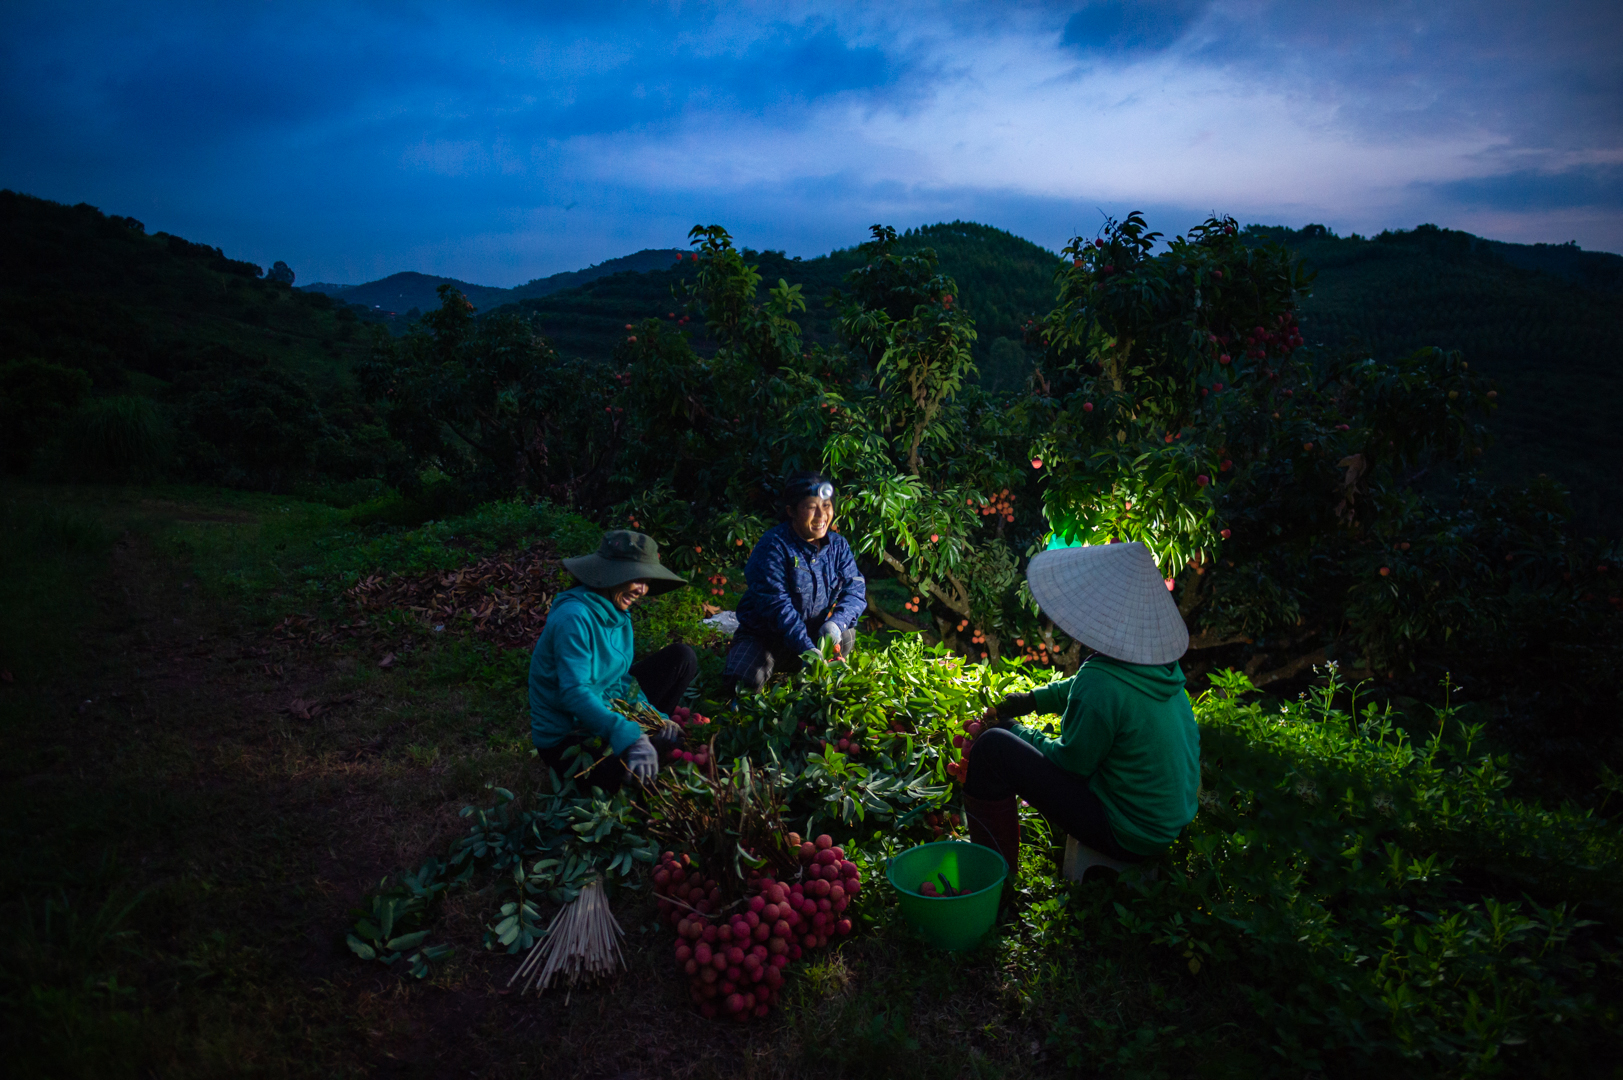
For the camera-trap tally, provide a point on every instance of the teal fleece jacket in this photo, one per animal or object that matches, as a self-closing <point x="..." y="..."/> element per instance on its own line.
<point x="1130" y="729"/>
<point x="581" y="662"/>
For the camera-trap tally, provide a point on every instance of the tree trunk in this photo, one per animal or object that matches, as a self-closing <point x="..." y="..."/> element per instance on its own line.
<point x="1069" y="660"/>
<point x="1193" y="597"/>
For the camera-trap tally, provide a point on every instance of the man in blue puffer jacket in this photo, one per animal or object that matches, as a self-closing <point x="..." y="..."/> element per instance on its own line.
<point x="803" y="589"/>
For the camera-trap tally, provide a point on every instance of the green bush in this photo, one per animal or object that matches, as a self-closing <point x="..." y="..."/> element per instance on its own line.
<point x="35" y="398"/>
<point x="116" y="440"/>
<point x="1373" y="902"/>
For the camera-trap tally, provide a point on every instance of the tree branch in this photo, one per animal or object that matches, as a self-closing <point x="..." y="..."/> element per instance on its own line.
<point x="894" y="563"/>
<point x="1287" y="670"/>
<point x="1207" y="640"/>
<point x="890" y="620"/>
<point x="960" y="603"/>
<point x="477" y="446"/>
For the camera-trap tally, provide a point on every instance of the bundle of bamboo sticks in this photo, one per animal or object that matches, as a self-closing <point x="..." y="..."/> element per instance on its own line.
<point x="581" y="942"/>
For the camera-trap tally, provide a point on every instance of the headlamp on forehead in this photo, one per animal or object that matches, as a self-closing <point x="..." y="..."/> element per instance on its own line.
<point x="805" y="487"/>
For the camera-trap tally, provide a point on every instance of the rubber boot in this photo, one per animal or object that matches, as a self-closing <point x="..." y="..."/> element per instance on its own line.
<point x="995" y="823"/>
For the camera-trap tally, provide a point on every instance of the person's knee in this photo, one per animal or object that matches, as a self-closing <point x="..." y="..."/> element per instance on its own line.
<point x="994" y="743"/>
<point x="754" y="680"/>
<point x="685" y="661"/>
<point x="988" y="760"/>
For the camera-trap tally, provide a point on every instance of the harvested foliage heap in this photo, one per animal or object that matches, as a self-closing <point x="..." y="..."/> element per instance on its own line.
<point x="505" y="597"/>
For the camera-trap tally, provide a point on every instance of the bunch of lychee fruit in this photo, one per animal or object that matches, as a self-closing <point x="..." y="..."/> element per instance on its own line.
<point x="689" y="720"/>
<point x="941" y="822"/>
<point x="958" y="768"/>
<point x="734" y="954"/>
<point x="849" y="743"/>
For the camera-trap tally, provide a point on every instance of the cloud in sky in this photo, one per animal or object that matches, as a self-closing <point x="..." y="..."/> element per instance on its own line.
<point x="500" y="141"/>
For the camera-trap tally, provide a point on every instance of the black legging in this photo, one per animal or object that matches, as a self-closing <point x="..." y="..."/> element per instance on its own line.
<point x="664" y="677"/>
<point x="1002" y="764"/>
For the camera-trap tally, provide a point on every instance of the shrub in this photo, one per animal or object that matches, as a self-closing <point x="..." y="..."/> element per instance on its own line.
<point x="1373" y="901"/>
<point x="35" y="398"/>
<point x="114" y="440"/>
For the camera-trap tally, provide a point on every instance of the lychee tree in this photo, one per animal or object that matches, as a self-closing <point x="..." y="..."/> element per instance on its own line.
<point x="491" y="405"/>
<point x="715" y="434"/>
<point x="923" y="456"/>
<point x="923" y="460"/>
<point x="1186" y="414"/>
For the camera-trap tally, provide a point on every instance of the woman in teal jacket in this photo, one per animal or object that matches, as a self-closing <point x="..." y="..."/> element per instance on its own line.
<point x="583" y="661"/>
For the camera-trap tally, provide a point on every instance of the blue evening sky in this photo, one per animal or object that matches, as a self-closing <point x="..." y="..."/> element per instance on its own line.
<point x="497" y="142"/>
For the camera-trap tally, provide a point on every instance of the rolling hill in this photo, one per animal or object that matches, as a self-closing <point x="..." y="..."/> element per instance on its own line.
<point x="1545" y="321"/>
<point x="1002" y="280"/>
<point x="179" y="321"/>
<point x="251" y="377"/>
<point x="401" y="293"/>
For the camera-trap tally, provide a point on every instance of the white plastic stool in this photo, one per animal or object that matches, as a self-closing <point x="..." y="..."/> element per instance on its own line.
<point x="1079" y="859"/>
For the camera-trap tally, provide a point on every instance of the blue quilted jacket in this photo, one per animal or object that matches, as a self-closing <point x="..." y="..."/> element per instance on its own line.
<point x="793" y="588"/>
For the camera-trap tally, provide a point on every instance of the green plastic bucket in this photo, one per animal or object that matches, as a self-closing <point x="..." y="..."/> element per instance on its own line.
<point x="949" y="922"/>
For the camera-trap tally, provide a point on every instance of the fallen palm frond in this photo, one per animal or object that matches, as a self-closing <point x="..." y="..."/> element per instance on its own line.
<point x="581" y="943"/>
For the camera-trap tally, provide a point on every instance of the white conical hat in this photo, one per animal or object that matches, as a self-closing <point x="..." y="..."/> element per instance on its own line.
<point x="1111" y="598"/>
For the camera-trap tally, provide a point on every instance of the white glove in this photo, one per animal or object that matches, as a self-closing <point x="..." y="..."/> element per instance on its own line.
<point x="642" y="761"/>
<point x="670" y="731"/>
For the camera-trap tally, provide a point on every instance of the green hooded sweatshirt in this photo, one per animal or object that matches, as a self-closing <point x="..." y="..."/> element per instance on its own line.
<point x="581" y="662"/>
<point x="1130" y="729"/>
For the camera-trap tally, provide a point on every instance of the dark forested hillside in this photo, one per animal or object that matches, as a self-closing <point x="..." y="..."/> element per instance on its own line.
<point x="408" y="292"/>
<point x="95" y="292"/>
<point x="1003" y="280"/>
<point x="1545" y="321"/>
<point x="155" y="349"/>
<point x="172" y="320"/>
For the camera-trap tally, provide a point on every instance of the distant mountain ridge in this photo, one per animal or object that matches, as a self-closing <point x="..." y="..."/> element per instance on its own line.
<point x="404" y="291"/>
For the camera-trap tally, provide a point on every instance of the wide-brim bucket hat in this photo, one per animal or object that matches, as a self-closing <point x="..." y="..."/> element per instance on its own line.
<point x="1112" y="599"/>
<point x="624" y="556"/>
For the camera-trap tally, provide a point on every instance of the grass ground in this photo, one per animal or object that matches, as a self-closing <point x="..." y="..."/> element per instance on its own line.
<point x="180" y="852"/>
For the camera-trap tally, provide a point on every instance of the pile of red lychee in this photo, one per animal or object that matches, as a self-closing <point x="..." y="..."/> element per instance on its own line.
<point x="734" y="955"/>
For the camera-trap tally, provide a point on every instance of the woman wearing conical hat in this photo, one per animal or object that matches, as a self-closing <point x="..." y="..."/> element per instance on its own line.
<point x="1124" y="774"/>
